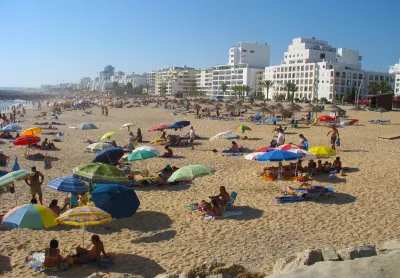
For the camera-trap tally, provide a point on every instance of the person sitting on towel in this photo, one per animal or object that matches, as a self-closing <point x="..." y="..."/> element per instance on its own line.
<point x="52" y="257"/>
<point x="93" y="255"/>
<point x="235" y="147"/>
<point x="215" y="209"/>
<point x="168" y="152"/>
<point x="222" y="198"/>
<point x="337" y="164"/>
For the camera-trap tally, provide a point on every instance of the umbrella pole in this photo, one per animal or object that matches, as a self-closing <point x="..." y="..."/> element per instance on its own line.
<point x="15" y="193"/>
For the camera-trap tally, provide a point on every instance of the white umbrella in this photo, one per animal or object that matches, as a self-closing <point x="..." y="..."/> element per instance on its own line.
<point x="220" y="135"/>
<point x="127" y="125"/>
<point x="252" y="156"/>
<point x="147" y="148"/>
<point x="305" y="154"/>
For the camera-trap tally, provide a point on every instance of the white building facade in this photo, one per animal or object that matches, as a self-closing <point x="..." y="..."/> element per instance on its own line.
<point x="321" y="71"/>
<point x="395" y="70"/>
<point x="175" y="81"/>
<point x="151" y="82"/>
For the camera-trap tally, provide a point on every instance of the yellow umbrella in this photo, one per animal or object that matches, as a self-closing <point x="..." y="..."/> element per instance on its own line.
<point x="158" y="141"/>
<point x="31" y="131"/>
<point x="322" y="151"/>
<point x="108" y="135"/>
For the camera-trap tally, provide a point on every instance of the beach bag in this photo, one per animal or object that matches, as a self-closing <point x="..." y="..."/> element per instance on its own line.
<point x="338" y="142"/>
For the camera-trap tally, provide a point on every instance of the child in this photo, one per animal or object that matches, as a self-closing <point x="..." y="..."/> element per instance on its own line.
<point x="320" y="168"/>
<point x="74" y="201"/>
<point x="204" y="206"/>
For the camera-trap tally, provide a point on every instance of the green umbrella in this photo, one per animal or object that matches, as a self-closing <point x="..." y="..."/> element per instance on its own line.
<point x="190" y="172"/>
<point x="140" y="155"/>
<point x="99" y="173"/>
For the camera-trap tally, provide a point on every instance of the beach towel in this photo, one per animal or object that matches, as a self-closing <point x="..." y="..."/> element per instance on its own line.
<point x="36" y="260"/>
<point x="106" y="263"/>
<point x="231" y="153"/>
<point x="225" y="214"/>
<point x="289" y="199"/>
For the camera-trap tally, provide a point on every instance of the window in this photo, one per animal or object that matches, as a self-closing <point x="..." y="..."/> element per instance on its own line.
<point x="306" y="75"/>
<point x="311" y="67"/>
<point x="330" y="96"/>
<point x="331" y="89"/>
<point x="322" y="56"/>
<point x="298" y="68"/>
<point x="251" y="51"/>
<point x="290" y="68"/>
<point x="285" y="75"/>
<point x="297" y="82"/>
<point x="302" y="74"/>
<point x="311" y="74"/>
<point x="371" y="77"/>
<point x="293" y="75"/>
<point x="306" y="67"/>
<point x="301" y="81"/>
<point x="302" y="68"/>
<point x="354" y="75"/>
<point x="348" y="83"/>
<point x="244" y="50"/>
<point x="381" y="77"/>
<point x="376" y="77"/>
<point x="360" y="76"/>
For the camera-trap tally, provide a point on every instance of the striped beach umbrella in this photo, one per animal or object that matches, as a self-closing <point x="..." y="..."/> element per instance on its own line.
<point x="29" y="216"/>
<point x="15" y="176"/>
<point x="99" y="173"/>
<point x="98" y="147"/>
<point x="67" y="184"/>
<point x="190" y="172"/>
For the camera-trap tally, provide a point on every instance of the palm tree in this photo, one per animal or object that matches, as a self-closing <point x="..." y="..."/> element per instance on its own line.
<point x="235" y="89"/>
<point x="267" y="84"/>
<point x="384" y="87"/>
<point x="373" y="87"/>
<point x="290" y="88"/>
<point x="246" y="89"/>
<point x="241" y="91"/>
<point x="224" y="87"/>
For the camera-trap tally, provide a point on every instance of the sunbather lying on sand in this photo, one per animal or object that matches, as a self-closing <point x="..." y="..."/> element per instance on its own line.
<point x="308" y="187"/>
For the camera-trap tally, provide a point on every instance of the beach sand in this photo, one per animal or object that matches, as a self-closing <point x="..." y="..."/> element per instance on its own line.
<point x="164" y="237"/>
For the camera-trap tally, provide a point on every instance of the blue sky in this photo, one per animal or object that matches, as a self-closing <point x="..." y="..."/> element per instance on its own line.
<point x="46" y="42"/>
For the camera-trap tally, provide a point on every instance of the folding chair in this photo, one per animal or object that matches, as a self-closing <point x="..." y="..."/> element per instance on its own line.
<point x="229" y="205"/>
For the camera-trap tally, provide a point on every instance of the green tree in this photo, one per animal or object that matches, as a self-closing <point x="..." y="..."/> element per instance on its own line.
<point x="115" y="85"/>
<point x="235" y="89"/>
<point x="163" y="89"/>
<point x="324" y="100"/>
<point x="224" y="87"/>
<point x="290" y="88"/>
<point x="278" y="97"/>
<point x="347" y="98"/>
<point x="267" y="84"/>
<point x="373" y="87"/>
<point x="129" y="87"/>
<point x="384" y="87"/>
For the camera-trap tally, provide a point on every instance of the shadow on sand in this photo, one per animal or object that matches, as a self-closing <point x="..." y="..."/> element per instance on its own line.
<point x="178" y="187"/>
<point x="354" y="151"/>
<point x="162" y="236"/>
<point x="142" y="222"/>
<point x="124" y="263"/>
<point x="249" y="213"/>
<point x="338" y="199"/>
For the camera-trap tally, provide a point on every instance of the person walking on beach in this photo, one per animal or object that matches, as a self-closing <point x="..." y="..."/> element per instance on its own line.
<point x="192" y="136"/>
<point x="106" y="111"/>
<point x="35" y="183"/>
<point x="334" y="136"/>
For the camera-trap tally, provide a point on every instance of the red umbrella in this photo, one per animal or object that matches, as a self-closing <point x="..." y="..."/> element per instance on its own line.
<point x="325" y="119"/>
<point x="26" y="140"/>
<point x="160" y="127"/>
<point x="264" y="150"/>
<point x="287" y="147"/>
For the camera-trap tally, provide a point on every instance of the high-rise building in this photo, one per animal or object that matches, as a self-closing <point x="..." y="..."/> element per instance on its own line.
<point x="250" y="53"/>
<point x="84" y="82"/>
<point x="395" y="70"/>
<point x="137" y="79"/>
<point x="106" y="74"/>
<point x="175" y="81"/>
<point x="151" y="83"/>
<point x="321" y="71"/>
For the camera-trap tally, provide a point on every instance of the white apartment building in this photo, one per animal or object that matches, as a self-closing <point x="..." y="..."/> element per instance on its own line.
<point x="251" y="53"/>
<point x="175" y="80"/>
<point x="137" y="79"/>
<point x="395" y="70"/>
<point x="151" y="82"/>
<point x="204" y="81"/>
<point x="321" y="71"/>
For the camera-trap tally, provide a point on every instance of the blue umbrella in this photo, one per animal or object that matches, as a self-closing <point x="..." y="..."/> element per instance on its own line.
<point x="271" y="120"/>
<point x="68" y="184"/>
<point x="117" y="200"/>
<point x="183" y="123"/>
<point x="278" y="156"/>
<point x="11" y="127"/>
<point x="86" y="126"/>
<point x="109" y="156"/>
<point x="15" y="167"/>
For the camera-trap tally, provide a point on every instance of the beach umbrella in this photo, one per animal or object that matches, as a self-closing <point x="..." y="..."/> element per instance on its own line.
<point x="190" y="172"/>
<point x="264" y="109"/>
<point x="220" y="135"/>
<point x="109" y="155"/>
<point x="26" y="140"/>
<point x="322" y="151"/>
<point x="305" y="154"/>
<point x="15" y="166"/>
<point x="29" y="216"/>
<point x="107" y="135"/>
<point x="325" y="119"/>
<point x="252" y="156"/>
<point x="381" y="110"/>
<point x="119" y="201"/>
<point x="31" y="131"/>
<point x="273" y="119"/>
<point x="160" y="127"/>
<point x="278" y="105"/>
<point x="264" y="150"/>
<point x="84" y="216"/>
<point x="86" y="126"/>
<point x="242" y="128"/>
<point x="148" y="148"/>
<point x="11" y="127"/>
<point x="245" y="107"/>
<point x="127" y="125"/>
<point x="99" y="173"/>
<point x="99" y="146"/>
<point x="287" y="147"/>
<point x="140" y="155"/>
<point x="278" y="156"/>
<point x="183" y="123"/>
<point x="68" y="184"/>
<point x="158" y="141"/>
<point x="15" y="176"/>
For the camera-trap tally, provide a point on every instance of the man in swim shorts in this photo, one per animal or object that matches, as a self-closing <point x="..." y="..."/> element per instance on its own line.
<point x="35" y="183"/>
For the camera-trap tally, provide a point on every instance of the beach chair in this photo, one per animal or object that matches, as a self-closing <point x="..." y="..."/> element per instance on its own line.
<point x="229" y="205"/>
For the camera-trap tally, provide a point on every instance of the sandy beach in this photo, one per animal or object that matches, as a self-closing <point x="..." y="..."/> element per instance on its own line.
<point x="164" y="237"/>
